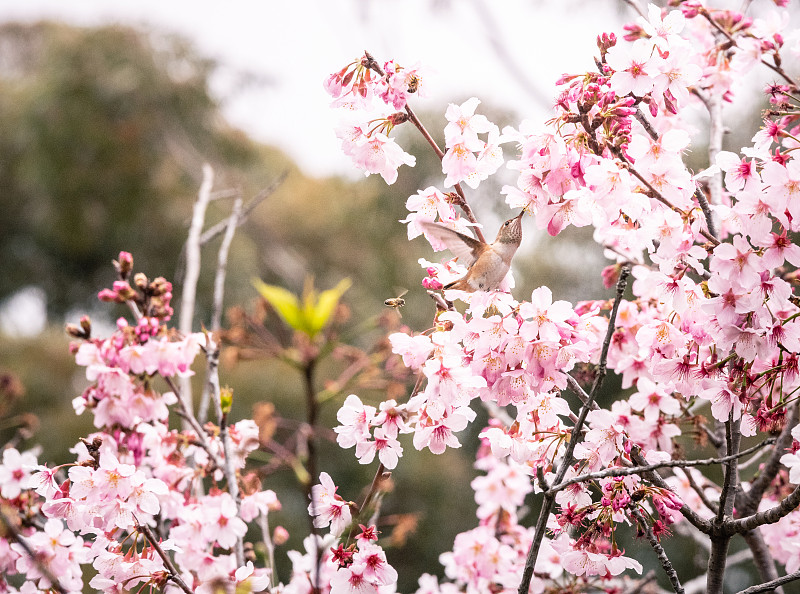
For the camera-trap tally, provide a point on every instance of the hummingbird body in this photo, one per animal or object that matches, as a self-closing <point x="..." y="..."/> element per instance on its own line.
<point x="488" y="263"/>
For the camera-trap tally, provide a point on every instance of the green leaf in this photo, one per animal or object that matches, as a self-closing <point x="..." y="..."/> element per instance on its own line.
<point x="284" y="302"/>
<point x="326" y="305"/>
<point x="310" y="316"/>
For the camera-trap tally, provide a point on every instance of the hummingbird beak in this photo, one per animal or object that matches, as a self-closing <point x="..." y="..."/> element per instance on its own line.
<point x="519" y="216"/>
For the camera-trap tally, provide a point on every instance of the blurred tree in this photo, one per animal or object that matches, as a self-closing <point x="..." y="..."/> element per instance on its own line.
<point x="104" y="131"/>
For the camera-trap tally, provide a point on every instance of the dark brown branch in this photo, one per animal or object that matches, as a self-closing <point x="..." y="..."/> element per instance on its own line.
<point x="174" y="575"/>
<point x="720" y="541"/>
<point x="549" y="497"/>
<point x="692" y="516"/>
<point x="666" y="564"/>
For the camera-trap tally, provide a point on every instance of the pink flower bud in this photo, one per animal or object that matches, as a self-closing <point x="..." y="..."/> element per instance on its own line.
<point x="280" y="535"/>
<point x="431" y="284"/>
<point x="107" y="295"/>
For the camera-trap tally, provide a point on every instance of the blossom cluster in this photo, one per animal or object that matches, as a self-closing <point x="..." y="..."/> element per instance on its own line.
<point x="137" y="489"/>
<point x="712" y="323"/>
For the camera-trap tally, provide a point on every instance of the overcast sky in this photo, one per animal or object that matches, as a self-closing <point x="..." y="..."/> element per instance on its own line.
<point x="507" y="53"/>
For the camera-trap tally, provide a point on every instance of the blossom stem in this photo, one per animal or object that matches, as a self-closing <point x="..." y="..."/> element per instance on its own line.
<point x="727" y="35"/>
<point x="380" y="476"/>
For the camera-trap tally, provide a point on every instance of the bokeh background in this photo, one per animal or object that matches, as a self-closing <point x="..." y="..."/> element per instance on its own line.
<point x="108" y="112"/>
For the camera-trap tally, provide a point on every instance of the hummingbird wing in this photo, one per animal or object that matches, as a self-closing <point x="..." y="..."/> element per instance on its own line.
<point x="465" y="248"/>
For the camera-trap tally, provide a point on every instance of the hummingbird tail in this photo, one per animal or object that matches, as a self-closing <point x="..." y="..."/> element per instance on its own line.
<point x="460" y="285"/>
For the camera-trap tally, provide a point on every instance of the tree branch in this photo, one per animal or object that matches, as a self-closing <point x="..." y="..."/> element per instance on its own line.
<point x="192" y="273"/>
<point x="771" y="585"/>
<point x="672" y="575"/>
<point x="549" y="497"/>
<point x="13" y="534"/>
<point x="174" y="575"/>
<point x="630" y="470"/>
<point x="220" y="227"/>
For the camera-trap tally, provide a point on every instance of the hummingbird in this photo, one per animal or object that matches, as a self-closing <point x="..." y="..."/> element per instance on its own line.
<point x="488" y="263"/>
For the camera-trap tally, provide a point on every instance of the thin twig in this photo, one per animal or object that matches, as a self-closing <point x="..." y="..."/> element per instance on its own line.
<point x="212" y="352"/>
<point x="222" y="264"/>
<point x="412" y="117"/>
<point x="648" y="127"/>
<point x="771" y="585"/>
<point x="635" y="6"/>
<point x="699" y="491"/>
<point x="715" y="132"/>
<point x="219" y="294"/>
<point x="13" y="534"/>
<point x="194" y="424"/>
<point x="630" y="470"/>
<point x="263" y="522"/>
<point x="666" y="564"/>
<point x="374" y="487"/>
<point x="220" y="227"/>
<point x="692" y="516"/>
<point x="580" y="392"/>
<point x="549" y="497"/>
<point x="174" y="575"/>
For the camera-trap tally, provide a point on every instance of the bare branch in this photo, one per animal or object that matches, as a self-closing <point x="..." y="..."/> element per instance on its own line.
<point x="192" y="273"/>
<point x="672" y="575"/>
<point x="220" y="227"/>
<point x="630" y="470"/>
<point x="770" y="516"/>
<point x="219" y="293"/>
<point x="642" y="119"/>
<point x="720" y="541"/>
<point x="212" y="352"/>
<point x="771" y="585"/>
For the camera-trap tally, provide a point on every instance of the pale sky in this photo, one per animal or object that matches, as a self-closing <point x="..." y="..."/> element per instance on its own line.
<point x="297" y="44"/>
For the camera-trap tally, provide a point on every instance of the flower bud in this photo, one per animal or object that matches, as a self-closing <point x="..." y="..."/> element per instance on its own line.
<point x="124" y="264"/>
<point x="140" y="280"/>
